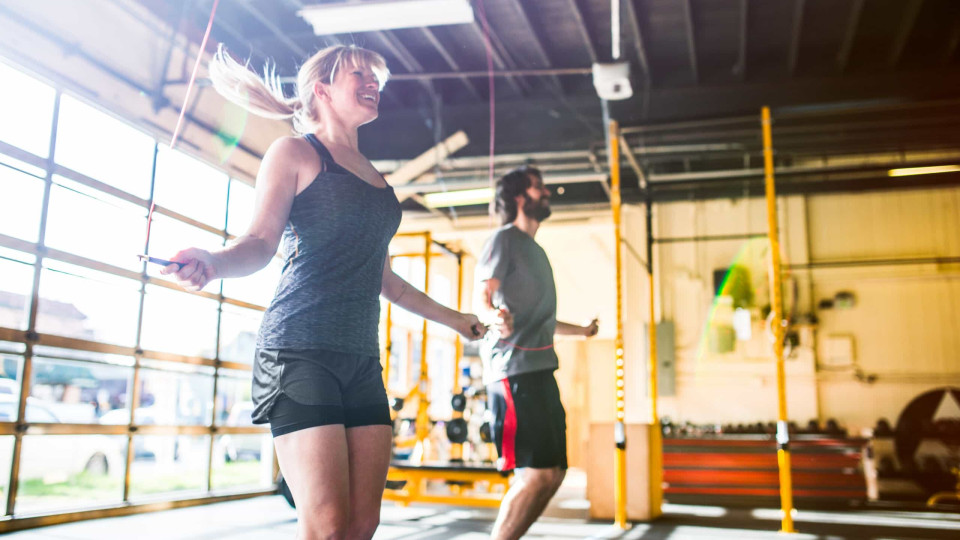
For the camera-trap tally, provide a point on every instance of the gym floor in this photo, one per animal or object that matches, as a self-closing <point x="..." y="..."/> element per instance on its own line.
<point x="267" y="518"/>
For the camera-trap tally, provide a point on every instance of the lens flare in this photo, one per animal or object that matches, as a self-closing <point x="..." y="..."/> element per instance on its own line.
<point x="750" y="258"/>
<point x="232" y="123"/>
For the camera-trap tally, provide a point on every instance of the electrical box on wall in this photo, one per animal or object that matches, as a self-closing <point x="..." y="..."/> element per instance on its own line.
<point x="666" y="357"/>
<point x="837" y="351"/>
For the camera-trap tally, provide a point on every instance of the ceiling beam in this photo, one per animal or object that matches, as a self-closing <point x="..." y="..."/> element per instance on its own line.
<point x="691" y="39"/>
<point x="400" y="52"/>
<point x="252" y="50"/>
<point x="910" y="12"/>
<point x="299" y="51"/>
<point x="538" y="45"/>
<point x="502" y="59"/>
<point x="584" y="29"/>
<point x="798" y="9"/>
<point x="633" y="18"/>
<point x="397" y="48"/>
<point x="951" y="49"/>
<point x="849" y="35"/>
<point x="741" y="68"/>
<point x="442" y="51"/>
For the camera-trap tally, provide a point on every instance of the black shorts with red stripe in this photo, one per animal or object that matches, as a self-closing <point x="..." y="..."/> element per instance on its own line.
<point x="530" y="426"/>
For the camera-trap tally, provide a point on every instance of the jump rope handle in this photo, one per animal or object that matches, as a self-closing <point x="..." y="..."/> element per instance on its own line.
<point x="161" y="262"/>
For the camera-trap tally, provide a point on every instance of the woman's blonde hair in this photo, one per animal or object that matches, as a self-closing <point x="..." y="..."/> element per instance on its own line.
<point x="264" y="96"/>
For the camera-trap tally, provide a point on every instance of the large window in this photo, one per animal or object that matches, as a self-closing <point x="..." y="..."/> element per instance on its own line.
<point x="26" y="106"/>
<point x="15" y="288"/>
<point x="117" y="358"/>
<point x="191" y="188"/>
<point x="73" y="303"/>
<point x="92" y="224"/>
<point x="103" y="148"/>
<point x="20" y="204"/>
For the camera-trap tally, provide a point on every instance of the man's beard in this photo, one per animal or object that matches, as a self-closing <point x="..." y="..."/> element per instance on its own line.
<point x="538" y="210"/>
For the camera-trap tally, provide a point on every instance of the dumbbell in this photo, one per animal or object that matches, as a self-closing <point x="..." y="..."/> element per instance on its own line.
<point x="486" y="432"/>
<point x="396" y="403"/>
<point x="458" y="402"/>
<point x="457" y="430"/>
<point x="883" y="429"/>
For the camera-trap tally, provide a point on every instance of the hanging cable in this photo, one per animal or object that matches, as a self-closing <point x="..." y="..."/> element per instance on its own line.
<point x="193" y="76"/>
<point x="493" y="104"/>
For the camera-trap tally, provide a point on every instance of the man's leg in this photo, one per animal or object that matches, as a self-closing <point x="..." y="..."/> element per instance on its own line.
<point x="526" y="499"/>
<point x="530" y="433"/>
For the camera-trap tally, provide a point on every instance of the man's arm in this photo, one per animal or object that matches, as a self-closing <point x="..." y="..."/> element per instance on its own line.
<point x="567" y="329"/>
<point x="500" y="318"/>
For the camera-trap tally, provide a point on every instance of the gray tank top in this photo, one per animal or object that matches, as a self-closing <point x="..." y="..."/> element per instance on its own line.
<point x="333" y="247"/>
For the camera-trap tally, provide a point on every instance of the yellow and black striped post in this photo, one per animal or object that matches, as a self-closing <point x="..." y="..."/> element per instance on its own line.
<point x="620" y="434"/>
<point x="783" y="437"/>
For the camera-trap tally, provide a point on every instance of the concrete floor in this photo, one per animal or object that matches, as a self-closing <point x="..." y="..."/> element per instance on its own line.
<point x="268" y="518"/>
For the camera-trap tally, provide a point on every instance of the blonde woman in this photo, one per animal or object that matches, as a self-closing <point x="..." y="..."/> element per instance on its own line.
<point x="317" y="375"/>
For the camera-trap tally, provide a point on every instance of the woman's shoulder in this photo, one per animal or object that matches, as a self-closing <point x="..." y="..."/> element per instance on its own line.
<point x="289" y="147"/>
<point x="295" y="155"/>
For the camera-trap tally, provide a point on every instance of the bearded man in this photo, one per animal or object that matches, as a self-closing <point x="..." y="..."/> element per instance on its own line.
<point x="516" y="286"/>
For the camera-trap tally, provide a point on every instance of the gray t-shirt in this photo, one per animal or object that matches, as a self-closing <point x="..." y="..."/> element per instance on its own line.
<point x="526" y="289"/>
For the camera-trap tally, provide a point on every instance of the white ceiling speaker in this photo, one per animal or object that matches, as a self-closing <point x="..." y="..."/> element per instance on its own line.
<point x="612" y="81"/>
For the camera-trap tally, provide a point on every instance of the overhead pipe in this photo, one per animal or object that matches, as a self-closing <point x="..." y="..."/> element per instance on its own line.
<point x="790" y="113"/>
<point x="733" y="174"/>
<point x="479" y="182"/>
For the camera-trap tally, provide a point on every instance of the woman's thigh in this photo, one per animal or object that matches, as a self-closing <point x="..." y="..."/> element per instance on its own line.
<point x="315" y="464"/>
<point x="369" y="457"/>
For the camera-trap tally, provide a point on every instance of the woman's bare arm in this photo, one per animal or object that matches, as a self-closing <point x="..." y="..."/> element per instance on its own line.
<point x="277" y="182"/>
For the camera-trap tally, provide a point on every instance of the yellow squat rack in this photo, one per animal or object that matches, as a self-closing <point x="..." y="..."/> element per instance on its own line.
<point x="467" y="485"/>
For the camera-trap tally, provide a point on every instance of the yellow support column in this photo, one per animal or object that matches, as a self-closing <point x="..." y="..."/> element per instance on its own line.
<point x="423" y="420"/>
<point x="783" y="438"/>
<point x="456" y="449"/>
<point x="655" y="455"/>
<point x="388" y="347"/>
<point x="458" y="356"/>
<point x="620" y="432"/>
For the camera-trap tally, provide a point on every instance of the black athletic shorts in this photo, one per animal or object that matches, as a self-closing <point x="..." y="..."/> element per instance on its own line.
<point x="530" y="426"/>
<point x="310" y="388"/>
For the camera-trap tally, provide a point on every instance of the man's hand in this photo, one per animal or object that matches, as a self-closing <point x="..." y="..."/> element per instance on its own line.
<point x="505" y="326"/>
<point x="591" y="329"/>
<point x="567" y="329"/>
<point x="500" y="320"/>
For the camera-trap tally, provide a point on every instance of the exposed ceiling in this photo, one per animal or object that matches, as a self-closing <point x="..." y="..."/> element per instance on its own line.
<point x="860" y="78"/>
<point x="866" y="63"/>
<point x="689" y="59"/>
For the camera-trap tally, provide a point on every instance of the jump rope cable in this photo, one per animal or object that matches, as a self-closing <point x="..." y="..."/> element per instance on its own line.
<point x="493" y="104"/>
<point x="193" y="76"/>
<point x="186" y="101"/>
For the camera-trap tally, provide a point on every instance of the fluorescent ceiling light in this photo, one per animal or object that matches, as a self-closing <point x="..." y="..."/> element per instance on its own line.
<point x="353" y="16"/>
<point x="911" y="171"/>
<point x="445" y="199"/>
